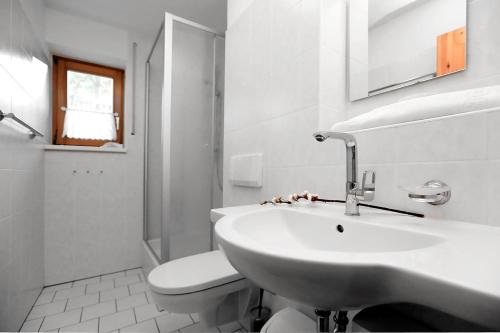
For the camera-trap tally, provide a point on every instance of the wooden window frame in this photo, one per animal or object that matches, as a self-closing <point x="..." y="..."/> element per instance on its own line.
<point x="59" y="84"/>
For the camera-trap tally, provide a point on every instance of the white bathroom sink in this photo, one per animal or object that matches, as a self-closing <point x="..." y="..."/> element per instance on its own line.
<point x="379" y="257"/>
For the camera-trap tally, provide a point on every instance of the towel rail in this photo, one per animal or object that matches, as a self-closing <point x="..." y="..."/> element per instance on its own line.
<point x="12" y="116"/>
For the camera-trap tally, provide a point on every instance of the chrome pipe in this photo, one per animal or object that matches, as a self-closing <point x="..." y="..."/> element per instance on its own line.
<point x="12" y="116"/>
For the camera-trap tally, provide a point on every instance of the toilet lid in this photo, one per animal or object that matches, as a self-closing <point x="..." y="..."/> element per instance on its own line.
<point x="194" y="273"/>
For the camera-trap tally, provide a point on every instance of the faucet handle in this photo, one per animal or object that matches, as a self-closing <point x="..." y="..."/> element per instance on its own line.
<point x="367" y="192"/>
<point x="371" y="184"/>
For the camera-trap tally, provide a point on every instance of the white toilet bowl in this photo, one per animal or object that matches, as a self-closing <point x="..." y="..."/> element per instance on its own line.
<point x="196" y="284"/>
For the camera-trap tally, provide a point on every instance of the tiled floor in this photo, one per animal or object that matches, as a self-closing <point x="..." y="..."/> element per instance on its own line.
<point x="118" y="302"/>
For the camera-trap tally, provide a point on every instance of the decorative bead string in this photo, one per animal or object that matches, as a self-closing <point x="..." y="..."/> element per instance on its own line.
<point x="295" y="197"/>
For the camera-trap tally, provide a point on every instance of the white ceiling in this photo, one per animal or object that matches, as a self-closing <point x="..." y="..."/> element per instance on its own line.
<point x="145" y="15"/>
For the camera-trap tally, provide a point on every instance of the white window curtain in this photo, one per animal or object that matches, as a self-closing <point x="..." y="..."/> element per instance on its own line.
<point x="89" y="115"/>
<point x="89" y="125"/>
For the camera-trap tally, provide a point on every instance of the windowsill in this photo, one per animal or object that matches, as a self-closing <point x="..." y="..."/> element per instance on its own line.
<point x="86" y="149"/>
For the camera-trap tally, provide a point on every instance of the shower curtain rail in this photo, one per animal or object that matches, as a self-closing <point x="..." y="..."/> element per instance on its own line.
<point x="34" y="132"/>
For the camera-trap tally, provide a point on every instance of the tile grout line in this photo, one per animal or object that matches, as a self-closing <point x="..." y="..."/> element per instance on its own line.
<point x="41" y="324"/>
<point x="66" y="305"/>
<point x="156" y="323"/>
<point x="71" y="284"/>
<point x="81" y="315"/>
<point x="135" y="316"/>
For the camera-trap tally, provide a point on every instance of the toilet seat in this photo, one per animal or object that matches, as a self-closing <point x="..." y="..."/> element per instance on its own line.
<point x="195" y="284"/>
<point x="193" y="274"/>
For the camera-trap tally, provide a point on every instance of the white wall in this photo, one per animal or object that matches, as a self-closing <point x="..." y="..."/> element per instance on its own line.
<point x="235" y="8"/>
<point x="24" y="90"/>
<point x="275" y="99"/>
<point x="94" y="219"/>
<point x="276" y="114"/>
<point x="79" y="38"/>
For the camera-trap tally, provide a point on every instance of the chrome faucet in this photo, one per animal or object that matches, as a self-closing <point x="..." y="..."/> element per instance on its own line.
<point x="354" y="193"/>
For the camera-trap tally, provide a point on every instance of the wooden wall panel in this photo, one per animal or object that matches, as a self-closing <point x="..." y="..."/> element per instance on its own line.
<point x="451" y="52"/>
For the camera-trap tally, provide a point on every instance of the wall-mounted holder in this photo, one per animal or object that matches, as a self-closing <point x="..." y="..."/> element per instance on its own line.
<point x="434" y="192"/>
<point x="33" y="132"/>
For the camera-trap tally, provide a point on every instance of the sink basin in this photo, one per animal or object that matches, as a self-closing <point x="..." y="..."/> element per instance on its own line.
<point x="320" y="257"/>
<point x="297" y="231"/>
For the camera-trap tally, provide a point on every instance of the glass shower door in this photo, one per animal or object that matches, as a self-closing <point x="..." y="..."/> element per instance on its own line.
<point x="191" y="150"/>
<point x="153" y="147"/>
<point x="184" y="114"/>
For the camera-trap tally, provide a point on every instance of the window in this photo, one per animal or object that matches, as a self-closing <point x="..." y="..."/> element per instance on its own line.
<point x="88" y="103"/>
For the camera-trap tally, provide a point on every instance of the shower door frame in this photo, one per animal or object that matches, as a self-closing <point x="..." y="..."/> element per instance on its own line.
<point x="168" y="27"/>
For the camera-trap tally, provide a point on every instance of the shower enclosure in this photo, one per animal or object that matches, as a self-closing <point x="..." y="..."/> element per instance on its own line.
<point x="183" y="138"/>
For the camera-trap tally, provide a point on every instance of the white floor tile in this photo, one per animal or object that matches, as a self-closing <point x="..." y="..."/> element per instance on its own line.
<point x="199" y="328"/>
<point x="32" y="325"/>
<point x="146" y="312"/>
<point x="114" y="293"/>
<point x="112" y="276"/>
<point x="126" y="280"/>
<point x="138" y="288"/>
<point x="61" y="319"/>
<point x="116" y="320"/>
<point x="173" y="321"/>
<point x="146" y="327"/>
<point x="82" y="301"/>
<point x="230" y="327"/>
<point x="68" y="293"/>
<point x="195" y="317"/>
<point x="98" y="310"/>
<point x="131" y="301"/>
<point x="45" y="298"/>
<point x="83" y="282"/>
<point x="149" y="296"/>
<point x="47" y="309"/>
<point x="87" y="326"/>
<point x="103" y="285"/>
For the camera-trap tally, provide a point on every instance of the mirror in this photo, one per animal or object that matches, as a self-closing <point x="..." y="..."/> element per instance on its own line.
<point x="398" y="43"/>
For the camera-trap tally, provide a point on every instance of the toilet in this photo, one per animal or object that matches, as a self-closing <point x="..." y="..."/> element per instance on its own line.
<point x="200" y="284"/>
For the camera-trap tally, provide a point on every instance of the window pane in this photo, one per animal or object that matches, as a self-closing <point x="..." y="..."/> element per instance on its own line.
<point x="89" y="112"/>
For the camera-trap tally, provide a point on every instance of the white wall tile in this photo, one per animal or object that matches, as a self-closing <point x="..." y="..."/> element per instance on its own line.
<point x="493" y="184"/>
<point x="97" y="217"/>
<point x="21" y="167"/>
<point x="443" y="140"/>
<point x="493" y="120"/>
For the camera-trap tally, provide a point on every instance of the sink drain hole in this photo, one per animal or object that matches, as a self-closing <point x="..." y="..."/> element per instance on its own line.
<point x="340" y="228"/>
